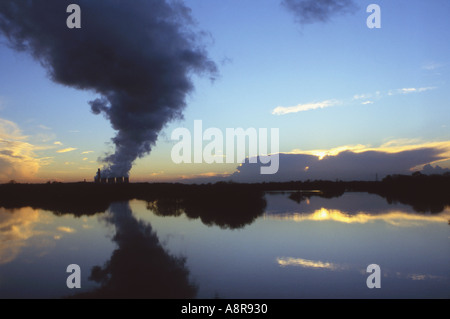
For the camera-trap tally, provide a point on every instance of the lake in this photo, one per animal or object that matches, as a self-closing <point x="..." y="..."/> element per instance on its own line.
<point x="292" y="247"/>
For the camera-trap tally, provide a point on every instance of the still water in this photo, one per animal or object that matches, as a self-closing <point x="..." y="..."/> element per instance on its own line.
<point x="316" y="248"/>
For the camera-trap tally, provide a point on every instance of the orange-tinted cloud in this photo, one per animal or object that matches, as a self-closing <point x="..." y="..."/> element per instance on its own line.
<point x="18" y="160"/>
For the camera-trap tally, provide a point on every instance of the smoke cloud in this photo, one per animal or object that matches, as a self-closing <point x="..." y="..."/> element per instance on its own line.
<point x="311" y="11"/>
<point x="138" y="56"/>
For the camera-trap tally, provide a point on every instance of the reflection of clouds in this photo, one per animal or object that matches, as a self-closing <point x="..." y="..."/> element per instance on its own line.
<point x="415" y="276"/>
<point x="422" y="277"/>
<point x="305" y="263"/>
<point x="17" y="227"/>
<point x="396" y="218"/>
<point x="65" y="229"/>
<point x="321" y="265"/>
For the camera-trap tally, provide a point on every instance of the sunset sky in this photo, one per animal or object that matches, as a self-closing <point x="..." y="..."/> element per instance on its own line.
<point x="330" y="85"/>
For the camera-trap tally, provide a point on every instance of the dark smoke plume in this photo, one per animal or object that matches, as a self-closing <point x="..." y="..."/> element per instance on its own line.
<point x="138" y="56"/>
<point x="311" y="11"/>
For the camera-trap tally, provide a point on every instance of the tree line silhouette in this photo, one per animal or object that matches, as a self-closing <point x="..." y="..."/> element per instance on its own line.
<point x="227" y="204"/>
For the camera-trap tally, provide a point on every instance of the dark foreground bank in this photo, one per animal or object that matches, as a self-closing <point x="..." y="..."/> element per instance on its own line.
<point x="424" y="193"/>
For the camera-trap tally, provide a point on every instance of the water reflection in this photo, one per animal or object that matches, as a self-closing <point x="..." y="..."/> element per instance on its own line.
<point x="330" y="266"/>
<point x="227" y="245"/>
<point x="396" y="218"/>
<point x="17" y="227"/>
<point x="228" y="209"/>
<point x="349" y="208"/>
<point x="139" y="267"/>
<point x="305" y="263"/>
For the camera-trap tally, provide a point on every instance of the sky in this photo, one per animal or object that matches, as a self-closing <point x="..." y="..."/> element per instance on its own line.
<point x="349" y="101"/>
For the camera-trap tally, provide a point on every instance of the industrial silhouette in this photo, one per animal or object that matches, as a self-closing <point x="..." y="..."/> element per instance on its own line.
<point x="99" y="179"/>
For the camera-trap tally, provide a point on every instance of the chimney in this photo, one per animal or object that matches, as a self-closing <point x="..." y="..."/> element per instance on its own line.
<point x="97" y="178"/>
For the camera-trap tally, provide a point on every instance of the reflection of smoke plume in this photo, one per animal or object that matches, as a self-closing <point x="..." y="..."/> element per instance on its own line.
<point x="310" y="11"/>
<point x="138" y="56"/>
<point x="139" y="267"/>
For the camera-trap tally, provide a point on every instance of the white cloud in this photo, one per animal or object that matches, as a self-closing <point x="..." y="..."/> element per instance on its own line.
<point x="43" y="127"/>
<point x="432" y="66"/>
<point x="66" y="150"/>
<point x="361" y="96"/>
<point x="410" y="90"/>
<point x="282" y="110"/>
<point x="368" y="98"/>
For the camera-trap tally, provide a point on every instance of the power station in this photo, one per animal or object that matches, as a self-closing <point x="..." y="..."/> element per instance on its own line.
<point x="99" y="179"/>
